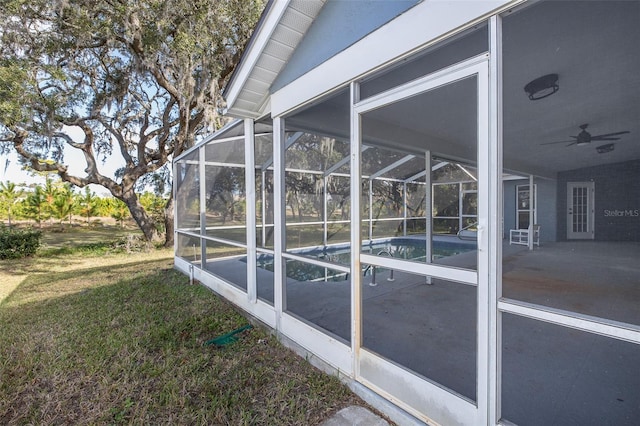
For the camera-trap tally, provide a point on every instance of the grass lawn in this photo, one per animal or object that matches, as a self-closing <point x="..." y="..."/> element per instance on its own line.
<point x="74" y="236"/>
<point x="94" y="337"/>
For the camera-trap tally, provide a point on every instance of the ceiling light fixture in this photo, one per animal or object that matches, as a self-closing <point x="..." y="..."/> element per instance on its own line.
<point x="542" y="87"/>
<point x="605" y="148"/>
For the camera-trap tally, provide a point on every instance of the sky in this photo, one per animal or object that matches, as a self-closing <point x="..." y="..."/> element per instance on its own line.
<point x="11" y="170"/>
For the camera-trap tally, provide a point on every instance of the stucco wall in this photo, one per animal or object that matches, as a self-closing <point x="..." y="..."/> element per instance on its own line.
<point x="547" y="206"/>
<point x="617" y="200"/>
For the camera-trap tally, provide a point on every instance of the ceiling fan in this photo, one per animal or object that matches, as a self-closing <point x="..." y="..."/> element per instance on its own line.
<point x="585" y="138"/>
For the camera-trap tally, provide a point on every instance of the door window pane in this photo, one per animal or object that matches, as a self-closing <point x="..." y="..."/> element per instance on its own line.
<point x="428" y="329"/>
<point x="439" y="122"/>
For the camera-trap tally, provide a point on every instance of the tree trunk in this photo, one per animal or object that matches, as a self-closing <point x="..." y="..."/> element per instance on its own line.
<point x="143" y="220"/>
<point x="168" y="222"/>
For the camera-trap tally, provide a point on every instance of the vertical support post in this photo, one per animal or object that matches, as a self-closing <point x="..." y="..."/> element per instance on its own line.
<point x="279" y="234"/>
<point x="177" y="180"/>
<point x="202" y="175"/>
<point x="487" y="176"/>
<point x="404" y="209"/>
<point x="496" y="210"/>
<point x="263" y="207"/>
<point x="356" y="226"/>
<point x="531" y="213"/>
<point x="370" y="210"/>
<point x="325" y="179"/>
<point x="250" y="209"/>
<point x="460" y="206"/>
<point x="428" y="211"/>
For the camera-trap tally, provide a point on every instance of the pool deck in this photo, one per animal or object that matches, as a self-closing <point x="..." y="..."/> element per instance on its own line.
<point x="551" y="374"/>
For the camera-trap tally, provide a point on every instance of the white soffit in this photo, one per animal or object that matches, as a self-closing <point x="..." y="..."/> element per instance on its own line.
<point x="282" y="29"/>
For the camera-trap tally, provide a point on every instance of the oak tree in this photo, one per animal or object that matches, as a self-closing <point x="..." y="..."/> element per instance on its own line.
<point x="134" y="80"/>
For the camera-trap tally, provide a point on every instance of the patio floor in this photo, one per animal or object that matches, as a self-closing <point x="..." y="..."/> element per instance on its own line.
<point x="550" y="374"/>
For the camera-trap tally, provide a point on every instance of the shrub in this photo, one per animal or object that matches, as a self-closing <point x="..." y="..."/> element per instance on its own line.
<point x="18" y="243"/>
<point x="133" y="243"/>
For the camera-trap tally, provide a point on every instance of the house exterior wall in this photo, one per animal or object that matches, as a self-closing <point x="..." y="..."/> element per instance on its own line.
<point x="546" y="214"/>
<point x="339" y="25"/>
<point x="617" y="215"/>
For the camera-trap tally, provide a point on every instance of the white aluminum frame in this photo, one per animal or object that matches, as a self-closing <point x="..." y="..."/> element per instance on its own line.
<point x="250" y="208"/>
<point x="279" y="211"/>
<point x="461" y="217"/>
<point x="591" y="324"/>
<point x="328" y="348"/>
<point x="417" y="395"/>
<point x="356" y="227"/>
<point x="495" y="212"/>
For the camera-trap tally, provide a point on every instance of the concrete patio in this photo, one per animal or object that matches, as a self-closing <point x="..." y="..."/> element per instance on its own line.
<point x="551" y="374"/>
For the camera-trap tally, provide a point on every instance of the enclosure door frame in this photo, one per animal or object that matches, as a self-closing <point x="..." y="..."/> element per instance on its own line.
<point x="425" y="399"/>
<point x="532" y="199"/>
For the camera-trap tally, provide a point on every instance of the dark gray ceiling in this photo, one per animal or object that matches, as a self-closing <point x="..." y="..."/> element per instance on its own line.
<point x="592" y="46"/>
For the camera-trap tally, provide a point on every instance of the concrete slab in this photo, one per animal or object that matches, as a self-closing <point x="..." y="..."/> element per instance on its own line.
<point x="550" y="374"/>
<point x="355" y="416"/>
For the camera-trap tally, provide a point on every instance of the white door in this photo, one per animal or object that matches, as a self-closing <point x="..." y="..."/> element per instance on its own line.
<point x="580" y="209"/>
<point x="435" y="364"/>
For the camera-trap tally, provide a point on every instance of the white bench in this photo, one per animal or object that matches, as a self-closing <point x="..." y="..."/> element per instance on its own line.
<point x="521" y="236"/>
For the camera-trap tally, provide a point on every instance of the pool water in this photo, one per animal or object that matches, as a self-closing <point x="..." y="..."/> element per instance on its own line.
<point x="400" y="248"/>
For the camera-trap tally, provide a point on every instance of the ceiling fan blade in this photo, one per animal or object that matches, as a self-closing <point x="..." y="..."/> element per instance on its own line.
<point x="609" y="134"/>
<point x="604" y="139"/>
<point x="553" y="143"/>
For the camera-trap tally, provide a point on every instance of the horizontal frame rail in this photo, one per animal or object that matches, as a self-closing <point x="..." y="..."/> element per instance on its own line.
<point x="604" y="327"/>
<point x="316" y="262"/>
<point x="463" y="276"/>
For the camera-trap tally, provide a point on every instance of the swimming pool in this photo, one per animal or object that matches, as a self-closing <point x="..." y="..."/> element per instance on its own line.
<point x="400" y="248"/>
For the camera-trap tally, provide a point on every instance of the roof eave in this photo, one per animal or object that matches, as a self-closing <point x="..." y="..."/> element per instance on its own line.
<point x="264" y="29"/>
<point x="280" y="29"/>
